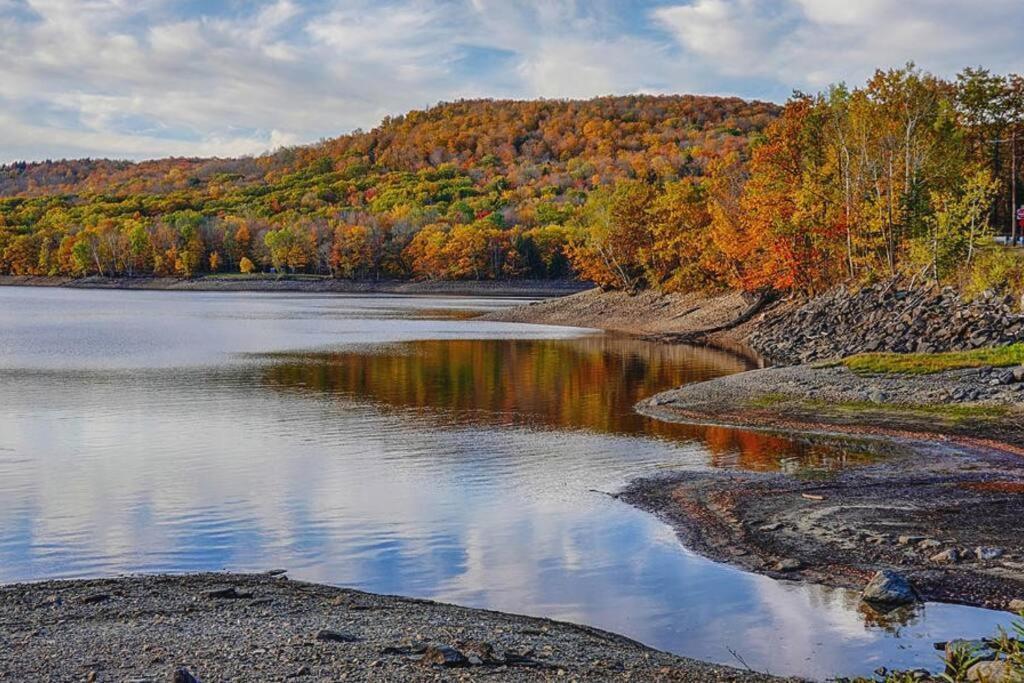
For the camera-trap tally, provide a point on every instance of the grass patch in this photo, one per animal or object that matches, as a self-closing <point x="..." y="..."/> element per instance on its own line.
<point x="769" y="400"/>
<point x="952" y="411"/>
<point x="947" y="413"/>
<point x="930" y="363"/>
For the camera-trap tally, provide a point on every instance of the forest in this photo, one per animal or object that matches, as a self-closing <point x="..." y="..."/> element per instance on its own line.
<point x="908" y="174"/>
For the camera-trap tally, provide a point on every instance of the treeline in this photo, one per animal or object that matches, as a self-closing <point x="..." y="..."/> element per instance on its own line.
<point x="908" y="175"/>
<point x="481" y="189"/>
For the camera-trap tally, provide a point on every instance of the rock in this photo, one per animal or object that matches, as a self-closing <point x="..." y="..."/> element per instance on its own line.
<point x="443" y="655"/>
<point x="329" y="636"/>
<point x="889" y="588"/>
<point x="1018" y="374"/>
<point x="95" y="598"/>
<point x="993" y="672"/>
<point x="1017" y="606"/>
<point x="183" y="675"/>
<point x="977" y="648"/>
<point x="929" y="544"/>
<point x="1006" y="377"/>
<point x="479" y="653"/>
<point x="951" y="556"/>
<point x="910" y="540"/>
<point x="229" y="593"/>
<point x="985" y="554"/>
<point x="788" y="565"/>
<point x="774" y="526"/>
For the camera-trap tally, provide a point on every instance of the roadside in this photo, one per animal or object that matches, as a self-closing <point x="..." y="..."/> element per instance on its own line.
<point x="310" y="283"/>
<point x="217" y="627"/>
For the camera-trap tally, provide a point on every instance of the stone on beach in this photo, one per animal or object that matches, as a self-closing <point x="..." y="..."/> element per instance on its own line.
<point x="889" y="588"/>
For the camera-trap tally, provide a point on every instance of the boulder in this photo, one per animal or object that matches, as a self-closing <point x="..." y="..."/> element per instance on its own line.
<point x="1017" y="606"/>
<point x="993" y="672"/>
<point x="889" y="588"/>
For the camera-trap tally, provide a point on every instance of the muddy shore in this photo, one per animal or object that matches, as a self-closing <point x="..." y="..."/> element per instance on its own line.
<point x="219" y="627"/>
<point x="310" y="284"/>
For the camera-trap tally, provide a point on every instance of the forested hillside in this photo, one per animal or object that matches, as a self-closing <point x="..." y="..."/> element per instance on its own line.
<point x="473" y="189"/>
<point x="907" y="175"/>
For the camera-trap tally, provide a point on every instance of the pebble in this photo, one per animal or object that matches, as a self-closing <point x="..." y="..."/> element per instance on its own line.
<point x="951" y="556"/>
<point x="984" y="553"/>
<point x="443" y="655"/>
<point x="788" y="565"/>
<point x="329" y="636"/>
<point x="183" y="675"/>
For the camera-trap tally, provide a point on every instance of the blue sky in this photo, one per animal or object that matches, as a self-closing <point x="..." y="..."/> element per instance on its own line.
<point x="149" y="78"/>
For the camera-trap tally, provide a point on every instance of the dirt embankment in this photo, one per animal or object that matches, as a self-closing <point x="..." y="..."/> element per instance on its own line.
<point x="229" y="627"/>
<point x="722" y="320"/>
<point x="263" y="283"/>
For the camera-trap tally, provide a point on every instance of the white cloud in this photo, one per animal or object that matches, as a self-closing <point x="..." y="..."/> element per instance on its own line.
<point x="814" y="42"/>
<point x="145" y="78"/>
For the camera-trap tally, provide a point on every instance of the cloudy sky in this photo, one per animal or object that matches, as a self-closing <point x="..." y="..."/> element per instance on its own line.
<point x="148" y="78"/>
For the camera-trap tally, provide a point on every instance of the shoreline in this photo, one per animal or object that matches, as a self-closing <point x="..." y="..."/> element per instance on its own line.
<point x="948" y="480"/>
<point x="224" y="626"/>
<point x="311" y="284"/>
<point x="941" y="504"/>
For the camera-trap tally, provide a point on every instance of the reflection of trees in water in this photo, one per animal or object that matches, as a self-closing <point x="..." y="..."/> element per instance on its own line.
<point x="590" y="383"/>
<point x="891" y="620"/>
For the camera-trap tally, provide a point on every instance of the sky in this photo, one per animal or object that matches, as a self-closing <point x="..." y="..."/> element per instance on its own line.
<point x="141" y="79"/>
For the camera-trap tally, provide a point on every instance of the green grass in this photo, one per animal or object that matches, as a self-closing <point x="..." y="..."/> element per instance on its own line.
<point x="930" y="363"/>
<point x="950" y="413"/>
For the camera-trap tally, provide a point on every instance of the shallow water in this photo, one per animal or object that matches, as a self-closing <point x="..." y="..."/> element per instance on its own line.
<point x="393" y="444"/>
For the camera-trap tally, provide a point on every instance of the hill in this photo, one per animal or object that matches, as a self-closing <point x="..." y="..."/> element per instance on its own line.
<point x="494" y="184"/>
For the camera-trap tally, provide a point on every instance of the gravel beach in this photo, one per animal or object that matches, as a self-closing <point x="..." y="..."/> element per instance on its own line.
<point x="232" y="627"/>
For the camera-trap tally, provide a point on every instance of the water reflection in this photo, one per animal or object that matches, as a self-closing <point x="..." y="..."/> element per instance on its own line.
<point x="435" y="457"/>
<point x="589" y="383"/>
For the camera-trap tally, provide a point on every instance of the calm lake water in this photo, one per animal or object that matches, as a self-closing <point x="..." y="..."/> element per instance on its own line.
<point x="396" y="445"/>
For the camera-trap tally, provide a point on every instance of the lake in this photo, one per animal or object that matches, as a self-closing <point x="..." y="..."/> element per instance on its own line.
<point x="397" y="445"/>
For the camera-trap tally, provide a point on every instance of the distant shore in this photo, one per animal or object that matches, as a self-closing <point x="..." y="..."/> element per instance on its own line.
<point x="221" y="627"/>
<point x="312" y="284"/>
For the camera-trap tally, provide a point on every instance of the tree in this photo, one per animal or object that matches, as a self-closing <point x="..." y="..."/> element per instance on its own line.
<point x="956" y="227"/>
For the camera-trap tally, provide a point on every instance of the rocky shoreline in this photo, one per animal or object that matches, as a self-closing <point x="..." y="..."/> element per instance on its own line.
<point x="941" y="505"/>
<point x="943" y="501"/>
<point x="219" y="627"/>
<point x="310" y="284"/>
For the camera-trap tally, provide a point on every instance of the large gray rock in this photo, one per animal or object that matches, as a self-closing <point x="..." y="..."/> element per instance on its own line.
<point x="890" y="588"/>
